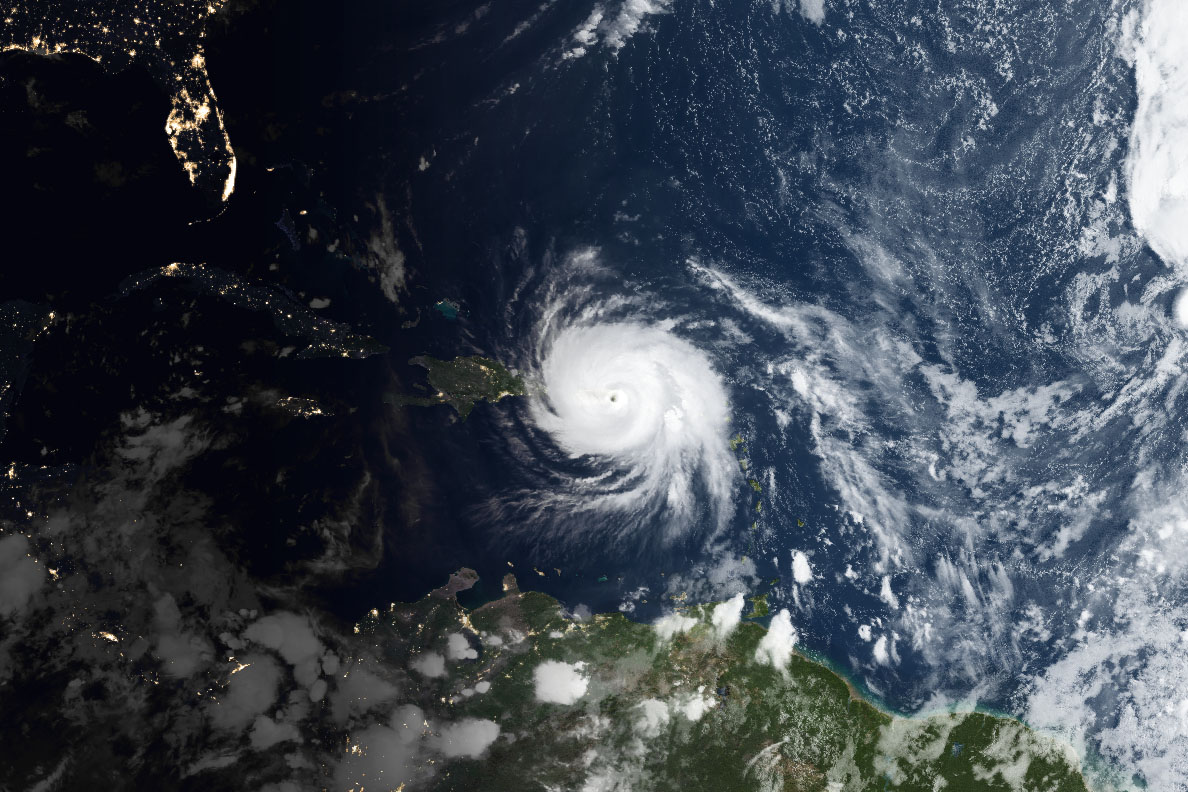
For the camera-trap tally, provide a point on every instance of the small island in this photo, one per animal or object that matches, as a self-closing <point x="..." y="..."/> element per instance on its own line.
<point x="462" y="382"/>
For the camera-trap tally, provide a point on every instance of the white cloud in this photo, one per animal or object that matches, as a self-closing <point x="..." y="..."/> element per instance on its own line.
<point x="468" y="737"/>
<point x="776" y="646"/>
<point x="1118" y="692"/>
<point x="385" y="759"/>
<point x="813" y="10"/>
<point x="1156" y="166"/>
<point x="358" y="690"/>
<point x="880" y="651"/>
<point x="714" y="579"/>
<point x="459" y="648"/>
<point x="409" y="719"/>
<point x="649" y="401"/>
<point x="20" y="576"/>
<point x="672" y="624"/>
<point x="559" y="683"/>
<point x="630" y="18"/>
<point x="385" y="255"/>
<point x="181" y="653"/>
<point x="966" y="450"/>
<point x="886" y="594"/>
<point x="697" y="705"/>
<point x="726" y="615"/>
<point x="859" y="359"/>
<point x="266" y="733"/>
<point x="802" y="571"/>
<point x="249" y="692"/>
<point x="614" y="28"/>
<point x="430" y="664"/>
<point x="290" y="636"/>
<point x="653" y="716"/>
<point x="587" y="34"/>
<point x="631" y="600"/>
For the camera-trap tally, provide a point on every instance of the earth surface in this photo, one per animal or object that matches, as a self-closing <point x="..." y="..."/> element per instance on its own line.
<point x="789" y="392"/>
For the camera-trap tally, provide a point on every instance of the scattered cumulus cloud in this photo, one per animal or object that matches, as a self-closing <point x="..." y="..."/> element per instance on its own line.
<point x="776" y="647"/>
<point x="249" y="692"/>
<point x="458" y="648"/>
<point x="182" y="653"/>
<point x="613" y="26"/>
<point x="559" y="683"/>
<point x="886" y="594"/>
<point x="672" y="624"/>
<point x="387" y="758"/>
<point x="266" y="733"/>
<point x="727" y="615"/>
<point x="290" y="636"/>
<point x="20" y="576"/>
<point x="802" y="571"/>
<point x="813" y="10"/>
<point x="697" y="705"/>
<point x="468" y="737"/>
<point x="430" y="664"/>
<point x="357" y="690"/>
<point x="653" y="717"/>
<point x="881" y="655"/>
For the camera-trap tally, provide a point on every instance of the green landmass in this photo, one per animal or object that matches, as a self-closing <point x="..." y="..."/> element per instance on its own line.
<point x="690" y="711"/>
<point x="759" y="607"/>
<point x="462" y="382"/>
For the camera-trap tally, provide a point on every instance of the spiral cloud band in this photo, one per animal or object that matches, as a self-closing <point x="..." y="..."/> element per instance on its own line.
<point x="646" y="403"/>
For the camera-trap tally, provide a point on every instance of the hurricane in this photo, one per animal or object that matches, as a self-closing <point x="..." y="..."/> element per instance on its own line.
<point x="629" y="419"/>
<point x="644" y="400"/>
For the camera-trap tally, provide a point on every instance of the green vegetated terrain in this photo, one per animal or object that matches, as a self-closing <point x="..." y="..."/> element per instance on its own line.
<point x="759" y="607"/>
<point x="695" y="711"/>
<point x="462" y="382"/>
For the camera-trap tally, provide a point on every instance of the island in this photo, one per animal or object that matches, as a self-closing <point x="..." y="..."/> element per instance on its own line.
<point x="317" y="336"/>
<point x="462" y="382"/>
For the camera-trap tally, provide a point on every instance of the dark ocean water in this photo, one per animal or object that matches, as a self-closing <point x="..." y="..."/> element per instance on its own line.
<point x="902" y="169"/>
